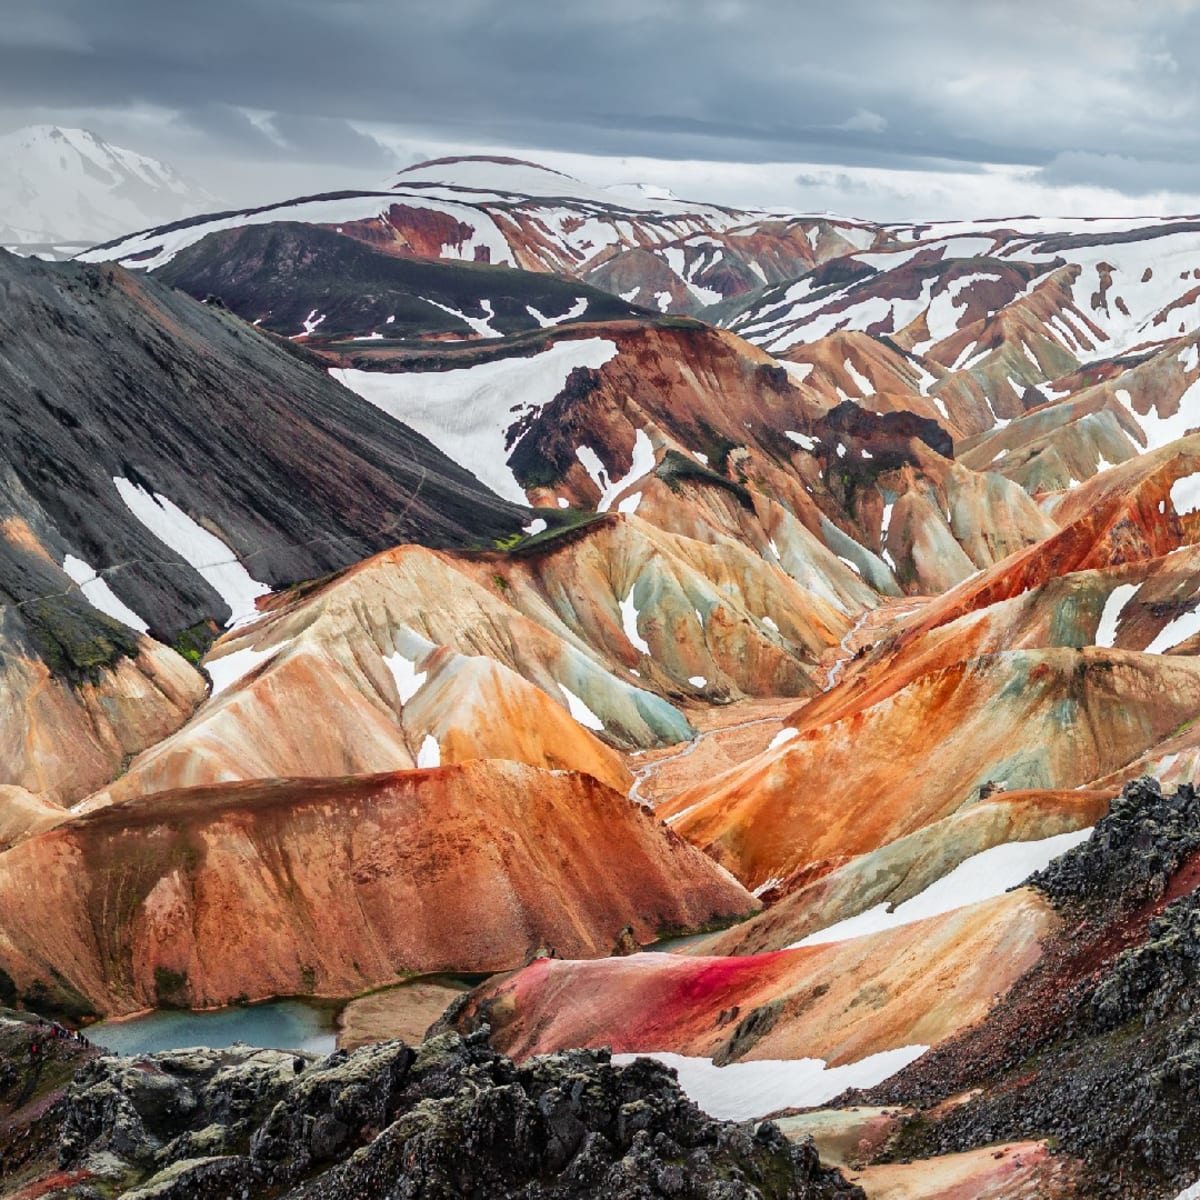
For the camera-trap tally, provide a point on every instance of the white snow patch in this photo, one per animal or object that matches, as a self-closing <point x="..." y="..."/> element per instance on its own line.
<point x="886" y="523"/>
<point x="865" y="386"/>
<point x="680" y="815"/>
<point x="630" y="503"/>
<point x="1160" y="431"/>
<point x="1185" y="494"/>
<point x="310" y="323"/>
<point x="642" y="464"/>
<point x="783" y="737"/>
<point x="204" y="552"/>
<point x="769" y="623"/>
<point x="1175" y="631"/>
<point x="230" y="668"/>
<point x="467" y="412"/>
<point x="940" y="405"/>
<point x="798" y="371"/>
<point x="742" y="1091"/>
<point x="563" y="502"/>
<point x="964" y="356"/>
<point x="430" y="753"/>
<point x="573" y="313"/>
<point x="480" y="325"/>
<point x="702" y="457"/>
<point x="537" y="525"/>
<point x="409" y="680"/>
<point x="100" y="596"/>
<point x="983" y="876"/>
<point x="705" y="295"/>
<point x="852" y="565"/>
<point x="580" y="711"/>
<point x="803" y="440"/>
<point x="1106" y="631"/>
<point x="1189" y="357"/>
<point x="629" y="619"/>
<point x="767" y="885"/>
<point x="697" y="681"/>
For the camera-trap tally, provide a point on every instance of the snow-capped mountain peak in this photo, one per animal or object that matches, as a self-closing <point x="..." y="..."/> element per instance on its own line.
<point x="69" y="185"/>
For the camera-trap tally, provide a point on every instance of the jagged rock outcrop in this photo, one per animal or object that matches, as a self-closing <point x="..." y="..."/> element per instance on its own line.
<point x="1133" y="853"/>
<point x="1098" y="1045"/>
<point x="447" y="1119"/>
<point x="1149" y="980"/>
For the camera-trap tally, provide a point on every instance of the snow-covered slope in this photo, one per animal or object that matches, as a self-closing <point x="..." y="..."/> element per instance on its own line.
<point x="68" y="185"/>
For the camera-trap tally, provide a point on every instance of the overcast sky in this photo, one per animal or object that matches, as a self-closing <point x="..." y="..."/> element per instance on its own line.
<point x="890" y="109"/>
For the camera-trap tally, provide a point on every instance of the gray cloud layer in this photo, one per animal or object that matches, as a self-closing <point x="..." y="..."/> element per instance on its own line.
<point x="1095" y="91"/>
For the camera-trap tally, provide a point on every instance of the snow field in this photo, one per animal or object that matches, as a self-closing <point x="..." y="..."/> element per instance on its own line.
<point x="743" y="1091"/>
<point x="467" y="412"/>
<point x="983" y="876"/>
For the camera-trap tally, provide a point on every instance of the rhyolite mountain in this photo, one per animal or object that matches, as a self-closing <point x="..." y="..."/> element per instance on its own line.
<point x="867" y="558"/>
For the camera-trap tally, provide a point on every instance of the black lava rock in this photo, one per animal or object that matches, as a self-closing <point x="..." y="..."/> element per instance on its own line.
<point x="448" y="1119"/>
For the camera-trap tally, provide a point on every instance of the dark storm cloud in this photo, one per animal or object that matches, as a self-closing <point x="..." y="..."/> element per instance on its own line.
<point x="1134" y="175"/>
<point x="1087" y="88"/>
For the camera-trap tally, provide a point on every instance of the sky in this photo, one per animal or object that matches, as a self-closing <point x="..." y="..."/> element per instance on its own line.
<point x="876" y="108"/>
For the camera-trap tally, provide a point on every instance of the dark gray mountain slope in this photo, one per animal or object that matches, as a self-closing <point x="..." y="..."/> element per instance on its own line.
<point x="282" y="274"/>
<point x="109" y="375"/>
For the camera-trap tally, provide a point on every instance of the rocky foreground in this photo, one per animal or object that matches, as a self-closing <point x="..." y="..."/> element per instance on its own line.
<point x="448" y="1118"/>
<point x="1097" y="1047"/>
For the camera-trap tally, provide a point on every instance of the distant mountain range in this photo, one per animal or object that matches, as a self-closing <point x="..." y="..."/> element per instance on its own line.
<point x="638" y="243"/>
<point x="68" y="188"/>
